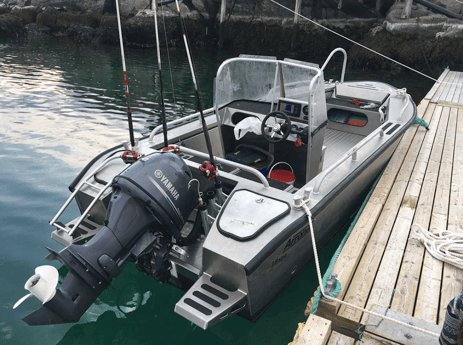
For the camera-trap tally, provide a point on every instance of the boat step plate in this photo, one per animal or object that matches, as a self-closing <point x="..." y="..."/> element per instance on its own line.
<point x="86" y="230"/>
<point x="206" y="303"/>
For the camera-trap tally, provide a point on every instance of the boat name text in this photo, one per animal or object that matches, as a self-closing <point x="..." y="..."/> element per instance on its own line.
<point x="296" y="238"/>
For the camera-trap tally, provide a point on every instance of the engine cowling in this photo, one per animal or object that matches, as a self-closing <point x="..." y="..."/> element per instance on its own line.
<point x="153" y="195"/>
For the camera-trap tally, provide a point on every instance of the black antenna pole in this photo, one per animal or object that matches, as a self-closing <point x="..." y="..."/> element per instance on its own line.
<point x="200" y="107"/>
<point x="126" y="85"/>
<point x="163" y="107"/>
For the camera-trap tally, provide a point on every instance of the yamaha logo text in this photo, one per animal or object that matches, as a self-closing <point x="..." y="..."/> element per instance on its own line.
<point x="169" y="186"/>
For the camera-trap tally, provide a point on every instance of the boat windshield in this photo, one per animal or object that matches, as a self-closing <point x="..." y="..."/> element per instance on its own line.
<point x="267" y="79"/>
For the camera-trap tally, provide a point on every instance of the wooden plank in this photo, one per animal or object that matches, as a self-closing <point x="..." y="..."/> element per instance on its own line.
<point x="339" y="324"/>
<point x="428" y="298"/>
<point x="460" y="101"/>
<point x="371" y="339"/>
<point x="436" y="86"/>
<point x="384" y="284"/>
<point x="424" y="177"/>
<point x="450" y="104"/>
<point x="452" y="282"/>
<point x="399" y="333"/>
<point x="456" y="96"/>
<point x="440" y="96"/>
<point x="360" y="285"/>
<point x="356" y="243"/>
<point x="453" y="87"/>
<point x="340" y="339"/>
<point x="315" y="332"/>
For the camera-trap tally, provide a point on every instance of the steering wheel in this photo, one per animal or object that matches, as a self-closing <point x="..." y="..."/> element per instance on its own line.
<point x="278" y="130"/>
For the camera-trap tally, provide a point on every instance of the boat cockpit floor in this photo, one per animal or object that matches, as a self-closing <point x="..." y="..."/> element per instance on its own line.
<point x="338" y="143"/>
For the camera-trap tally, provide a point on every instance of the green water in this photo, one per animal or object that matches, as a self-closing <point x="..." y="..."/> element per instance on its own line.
<point x="61" y="104"/>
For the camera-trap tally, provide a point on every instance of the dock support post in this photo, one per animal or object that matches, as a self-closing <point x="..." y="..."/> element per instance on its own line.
<point x="378" y="5"/>
<point x="407" y="9"/>
<point x="297" y="11"/>
<point x="223" y="8"/>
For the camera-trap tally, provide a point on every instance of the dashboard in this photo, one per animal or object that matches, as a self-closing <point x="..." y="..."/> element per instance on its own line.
<point x="294" y="109"/>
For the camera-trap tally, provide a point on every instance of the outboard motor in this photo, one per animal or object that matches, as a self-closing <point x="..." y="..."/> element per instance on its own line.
<point x="150" y="200"/>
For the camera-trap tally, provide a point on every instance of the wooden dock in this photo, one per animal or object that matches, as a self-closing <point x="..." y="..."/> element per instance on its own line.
<point x="382" y="267"/>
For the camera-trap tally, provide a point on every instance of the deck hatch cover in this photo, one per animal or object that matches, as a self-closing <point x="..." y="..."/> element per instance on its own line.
<point x="362" y="92"/>
<point x="246" y="214"/>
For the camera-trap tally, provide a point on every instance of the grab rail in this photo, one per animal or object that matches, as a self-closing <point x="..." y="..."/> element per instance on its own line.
<point x="404" y="107"/>
<point x="177" y="121"/>
<point x="253" y="171"/>
<point x="77" y="189"/>
<point x="351" y="153"/>
<point x="343" y="65"/>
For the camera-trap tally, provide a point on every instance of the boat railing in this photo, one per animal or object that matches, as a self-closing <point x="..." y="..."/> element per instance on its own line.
<point x="351" y="153"/>
<point x="85" y="182"/>
<point x="250" y="170"/>
<point x="158" y="128"/>
<point x="343" y="65"/>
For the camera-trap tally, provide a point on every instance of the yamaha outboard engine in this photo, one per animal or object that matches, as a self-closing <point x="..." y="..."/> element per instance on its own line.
<point x="151" y="197"/>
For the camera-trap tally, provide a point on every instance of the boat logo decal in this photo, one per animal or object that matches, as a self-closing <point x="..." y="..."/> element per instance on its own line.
<point x="296" y="238"/>
<point x="166" y="196"/>
<point x="165" y="181"/>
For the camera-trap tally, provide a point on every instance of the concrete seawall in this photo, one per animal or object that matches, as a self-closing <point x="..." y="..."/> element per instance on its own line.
<point x="425" y="40"/>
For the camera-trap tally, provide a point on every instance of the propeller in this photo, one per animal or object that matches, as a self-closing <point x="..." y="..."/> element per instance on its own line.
<point x="41" y="285"/>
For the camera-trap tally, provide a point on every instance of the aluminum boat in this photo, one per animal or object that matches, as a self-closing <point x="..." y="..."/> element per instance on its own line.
<point x="228" y="235"/>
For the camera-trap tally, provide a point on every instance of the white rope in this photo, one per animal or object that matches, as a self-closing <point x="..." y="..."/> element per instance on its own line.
<point x="322" y="289"/>
<point x="365" y="47"/>
<point x="443" y="245"/>
<point x="352" y="41"/>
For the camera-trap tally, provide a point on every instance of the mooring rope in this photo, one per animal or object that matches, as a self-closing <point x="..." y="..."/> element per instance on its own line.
<point x="303" y="205"/>
<point x="361" y="45"/>
<point x="328" y="271"/>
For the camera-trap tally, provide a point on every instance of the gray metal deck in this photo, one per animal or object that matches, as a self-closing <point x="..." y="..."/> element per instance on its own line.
<point x="337" y="143"/>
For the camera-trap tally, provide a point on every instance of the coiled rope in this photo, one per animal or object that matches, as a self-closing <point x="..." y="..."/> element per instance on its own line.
<point x="443" y="245"/>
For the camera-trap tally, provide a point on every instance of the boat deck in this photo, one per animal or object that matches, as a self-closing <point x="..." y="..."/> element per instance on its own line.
<point x="338" y="143"/>
<point x="382" y="267"/>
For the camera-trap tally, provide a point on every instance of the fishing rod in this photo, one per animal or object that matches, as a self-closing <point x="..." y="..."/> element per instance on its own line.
<point x="198" y="99"/>
<point x="126" y="85"/>
<point x="163" y="107"/>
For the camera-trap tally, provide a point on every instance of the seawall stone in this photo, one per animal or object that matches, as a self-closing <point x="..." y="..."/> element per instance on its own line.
<point x="253" y="27"/>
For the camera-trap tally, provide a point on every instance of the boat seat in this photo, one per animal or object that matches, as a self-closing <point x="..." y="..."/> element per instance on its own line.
<point x="252" y="156"/>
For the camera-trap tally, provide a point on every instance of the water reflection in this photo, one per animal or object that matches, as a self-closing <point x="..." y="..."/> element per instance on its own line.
<point x="69" y="102"/>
